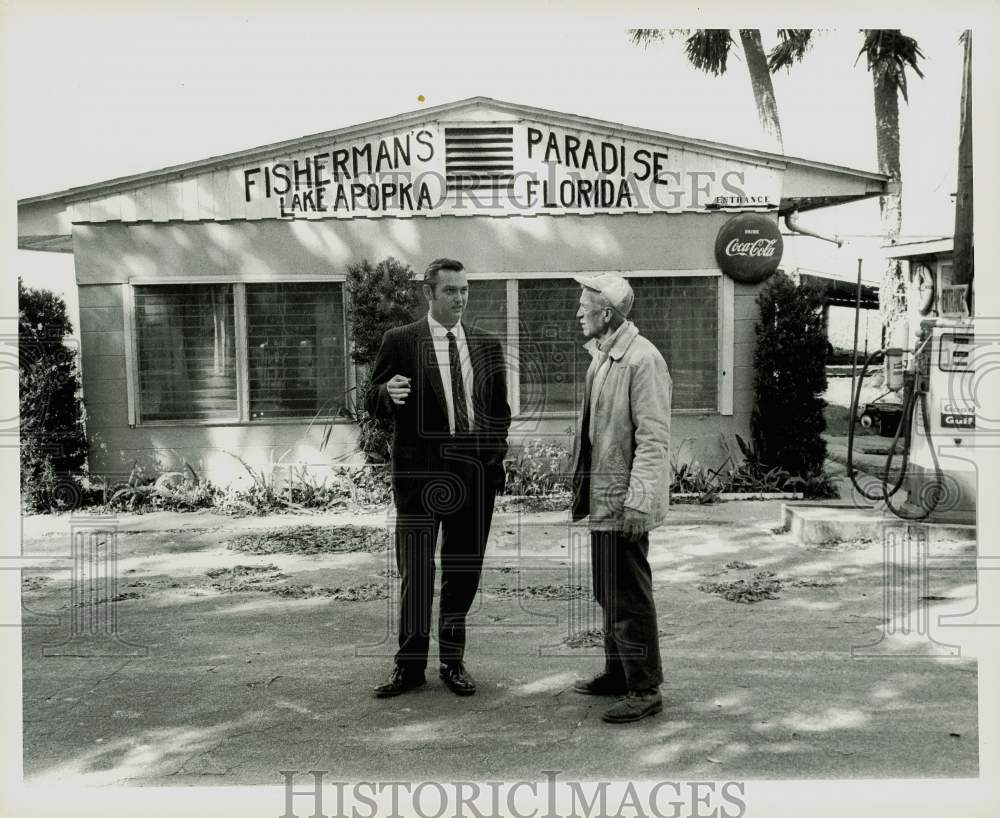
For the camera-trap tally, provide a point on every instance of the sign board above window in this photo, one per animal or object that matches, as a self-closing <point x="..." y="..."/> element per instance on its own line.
<point x="491" y="168"/>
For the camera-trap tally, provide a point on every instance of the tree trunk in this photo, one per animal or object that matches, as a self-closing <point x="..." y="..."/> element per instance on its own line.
<point x="962" y="272"/>
<point x="892" y="293"/>
<point x="763" y="88"/>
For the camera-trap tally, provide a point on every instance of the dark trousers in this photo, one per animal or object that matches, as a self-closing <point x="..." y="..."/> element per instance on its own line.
<point x="458" y="501"/>
<point x="623" y="586"/>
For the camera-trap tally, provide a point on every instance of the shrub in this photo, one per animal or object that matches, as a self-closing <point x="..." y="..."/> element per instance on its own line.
<point x="790" y="375"/>
<point x="381" y="297"/>
<point x="376" y="434"/>
<point x="170" y="491"/>
<point x="540" y="468"/>
<point x="53" y="442"/>
<point x="272" y="489"/>
<point x="745" y="473"/>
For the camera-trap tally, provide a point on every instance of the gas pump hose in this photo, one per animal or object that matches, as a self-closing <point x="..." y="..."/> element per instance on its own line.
<point x="908" y="411"/>
<point x="855" y="398"/>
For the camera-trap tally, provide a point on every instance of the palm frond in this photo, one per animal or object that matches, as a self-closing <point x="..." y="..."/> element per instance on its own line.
<point x="645" y="36"/>
<point x="889" y="53"/>
<point x="792" y="48"/>
<point x="708" y="49"/>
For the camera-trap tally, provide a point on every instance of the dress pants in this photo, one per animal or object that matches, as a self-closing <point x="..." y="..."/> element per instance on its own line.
<point x="623" y="586"/>
<point x="458" y="501"/>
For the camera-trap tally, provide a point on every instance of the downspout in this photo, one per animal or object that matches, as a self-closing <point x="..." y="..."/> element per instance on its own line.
<point x="795" y="227"/>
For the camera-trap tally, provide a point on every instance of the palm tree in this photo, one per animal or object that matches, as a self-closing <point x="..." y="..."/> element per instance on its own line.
<point x="708" y="50"/>
<point x="888" y="54"/>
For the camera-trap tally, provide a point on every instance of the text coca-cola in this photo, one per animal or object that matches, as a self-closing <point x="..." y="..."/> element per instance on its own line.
<point x="763" y="248"/>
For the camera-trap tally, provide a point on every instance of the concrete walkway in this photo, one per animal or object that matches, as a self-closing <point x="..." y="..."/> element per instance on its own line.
<point x="238" y="684"/>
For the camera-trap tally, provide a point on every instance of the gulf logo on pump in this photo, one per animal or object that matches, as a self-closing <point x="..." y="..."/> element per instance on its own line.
<point x="957" y="415"/>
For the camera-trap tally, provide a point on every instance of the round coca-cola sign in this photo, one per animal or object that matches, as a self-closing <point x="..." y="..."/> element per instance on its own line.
<point x="748" y="247"/>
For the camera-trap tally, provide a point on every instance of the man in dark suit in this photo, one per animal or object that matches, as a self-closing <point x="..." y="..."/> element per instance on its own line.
<point x="445" y="386"/>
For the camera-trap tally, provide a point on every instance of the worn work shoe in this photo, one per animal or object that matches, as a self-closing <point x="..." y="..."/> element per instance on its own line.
<point x="400" y="681"/>
<point x="603" y="684"/>
<point x="634" y="706"/>
<point x="458" y="679"/>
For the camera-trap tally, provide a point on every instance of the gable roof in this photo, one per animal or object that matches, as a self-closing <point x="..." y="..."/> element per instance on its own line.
<point x="301" y="143"/>
<point x="44" y="221"/>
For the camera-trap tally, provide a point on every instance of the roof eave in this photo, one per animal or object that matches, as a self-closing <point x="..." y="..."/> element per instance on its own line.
<point x="303" y="143"/>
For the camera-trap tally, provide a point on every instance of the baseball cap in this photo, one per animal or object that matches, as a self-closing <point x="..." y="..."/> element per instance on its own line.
<point x="614" y="288"/>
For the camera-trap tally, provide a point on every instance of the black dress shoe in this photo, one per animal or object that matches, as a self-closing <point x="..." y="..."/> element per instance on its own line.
<point x="634" y="706"/>
<point x="400" y="681"/>
<point x="603" y="684"/>
<point x="458" y="679"/>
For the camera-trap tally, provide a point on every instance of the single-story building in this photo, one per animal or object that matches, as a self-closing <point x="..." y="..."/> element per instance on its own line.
<point x="213" y="312"/>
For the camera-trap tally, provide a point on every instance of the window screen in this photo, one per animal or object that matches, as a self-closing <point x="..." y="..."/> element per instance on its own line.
<point x="186" y="352"/>
<point x="295" y="341"/>
<point x="553" y="364"/>
<point x="486" y="309"/>
<point x="679" y="315"/>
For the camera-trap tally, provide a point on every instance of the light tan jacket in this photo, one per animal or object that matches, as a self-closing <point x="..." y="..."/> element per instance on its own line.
<point x="630" y="454"/>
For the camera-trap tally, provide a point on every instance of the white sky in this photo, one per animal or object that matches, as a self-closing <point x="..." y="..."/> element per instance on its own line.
<point x="102" y="90"/>
<point x="142" y="90"/>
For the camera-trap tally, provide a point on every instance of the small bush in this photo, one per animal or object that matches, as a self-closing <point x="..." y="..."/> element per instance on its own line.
<point x="790" y="376"/>
<point x="53" y="443"/>
<point x="751" y="476"/>
<point x="381" y="298"/>
<point x="540" y="468"/>
<point x="275" y="489"/>
<point x="170" y="491"/>
<point x="376" y="434"/>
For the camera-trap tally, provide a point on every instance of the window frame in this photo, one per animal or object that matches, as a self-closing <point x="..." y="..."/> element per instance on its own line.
<point x="725" y="336"/>
<point x="239" y="284"/>
<point x="725" y="340"/>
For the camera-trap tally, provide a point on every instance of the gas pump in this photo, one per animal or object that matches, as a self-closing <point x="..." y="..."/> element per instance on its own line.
<point x="940" y="470"/>
<point x="934" y="370"/>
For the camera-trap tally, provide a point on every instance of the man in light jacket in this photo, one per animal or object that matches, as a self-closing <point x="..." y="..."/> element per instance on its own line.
<point x="622" y="481"/>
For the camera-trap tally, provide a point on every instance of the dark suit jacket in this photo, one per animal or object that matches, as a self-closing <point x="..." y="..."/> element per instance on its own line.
<point x="422" y="439"/>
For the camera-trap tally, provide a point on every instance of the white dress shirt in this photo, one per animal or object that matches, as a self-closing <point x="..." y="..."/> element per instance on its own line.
<point x="439" y="333"/>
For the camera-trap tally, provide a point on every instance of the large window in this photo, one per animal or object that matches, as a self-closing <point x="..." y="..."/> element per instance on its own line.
<point x="553" y="362"/>
<point x="277" y="352"/>
<point x="192" y="339"/>
<point x="678" y="314"/>
<point x="187" y="352"/>
<point x="295" y="336"/>
<point x="681" y="317"/>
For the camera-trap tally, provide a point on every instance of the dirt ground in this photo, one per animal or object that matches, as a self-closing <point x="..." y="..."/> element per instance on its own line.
<point x="249" y="646"/>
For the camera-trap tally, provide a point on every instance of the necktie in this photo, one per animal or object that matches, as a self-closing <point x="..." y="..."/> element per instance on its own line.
<point x="457" y="388"/>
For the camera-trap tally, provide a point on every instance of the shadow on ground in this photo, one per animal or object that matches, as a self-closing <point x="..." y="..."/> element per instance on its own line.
<point x="263" y="661"/>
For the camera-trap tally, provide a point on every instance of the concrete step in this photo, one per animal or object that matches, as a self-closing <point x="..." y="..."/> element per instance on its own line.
<point x="822" y="523"/>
